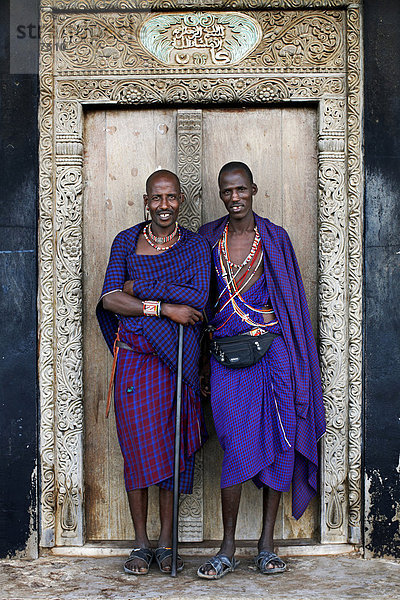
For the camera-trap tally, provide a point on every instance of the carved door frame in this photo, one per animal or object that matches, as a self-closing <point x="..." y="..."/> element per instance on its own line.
<point x="92" y="53"/>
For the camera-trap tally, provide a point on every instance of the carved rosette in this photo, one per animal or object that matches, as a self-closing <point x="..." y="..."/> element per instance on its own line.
<point x="306" y="56"/>
<point x="189" y="145"/>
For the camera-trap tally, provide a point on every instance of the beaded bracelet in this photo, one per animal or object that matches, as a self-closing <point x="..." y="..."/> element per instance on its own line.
<point x="151" y="308"/>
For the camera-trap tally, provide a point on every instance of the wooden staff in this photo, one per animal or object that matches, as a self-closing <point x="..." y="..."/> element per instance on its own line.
<point x="177" y="455"/>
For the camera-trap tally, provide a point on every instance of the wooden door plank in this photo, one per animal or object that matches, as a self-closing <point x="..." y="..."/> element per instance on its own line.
<point x="249" y="135"/>
<point x="94" y="350"/>
<point x="300" y="219"/>
<point x="252" y="136"/>
<point x="123" y="148"/>
<point x="279" y="145"/>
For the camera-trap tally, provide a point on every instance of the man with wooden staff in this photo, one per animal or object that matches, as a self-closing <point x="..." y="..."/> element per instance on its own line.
<point x="157" y="278"/>
<point x="265" y="382"/>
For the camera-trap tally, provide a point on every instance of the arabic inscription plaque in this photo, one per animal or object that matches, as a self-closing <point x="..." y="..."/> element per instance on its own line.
<point x="207" y="39"/>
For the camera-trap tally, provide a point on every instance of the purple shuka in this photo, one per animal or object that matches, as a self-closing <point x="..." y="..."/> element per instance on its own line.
<point x="146" y="377"/>
<point x="270" y="416"/>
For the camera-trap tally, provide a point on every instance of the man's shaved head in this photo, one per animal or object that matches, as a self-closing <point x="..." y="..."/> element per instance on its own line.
<point x="162" y="173"/>
<point x="234" y="166"/>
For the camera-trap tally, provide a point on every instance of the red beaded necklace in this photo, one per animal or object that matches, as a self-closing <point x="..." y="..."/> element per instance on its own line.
<point x="147" y="235"/>
<point x="249" y="257"/>
<point x="161" y="240"/>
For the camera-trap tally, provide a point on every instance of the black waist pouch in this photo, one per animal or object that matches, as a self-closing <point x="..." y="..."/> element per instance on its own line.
<point x="238" y="351"/>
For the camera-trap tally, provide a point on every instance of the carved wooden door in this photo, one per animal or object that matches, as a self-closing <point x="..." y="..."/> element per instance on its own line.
<point x="122" y="147"/>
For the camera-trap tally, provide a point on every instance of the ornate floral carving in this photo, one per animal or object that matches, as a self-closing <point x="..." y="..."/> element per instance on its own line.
<point x="301" y="40"/>
<point x="355" y="226"/>
<point x="189" y="142"/>
<point x="333" y="339"/>
<point x="46" y="293"/>
<point x="69" y="345"/>
<point x="334" y="115"/>
<point x="301" y="58"/>
<point x="199" y="90"/>
<point x="68" y="119"/>
<point x="172" y="42"/>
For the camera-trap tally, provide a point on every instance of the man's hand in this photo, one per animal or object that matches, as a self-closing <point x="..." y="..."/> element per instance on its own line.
<point x="128" y="287"/>
<point x="181" y="313"/>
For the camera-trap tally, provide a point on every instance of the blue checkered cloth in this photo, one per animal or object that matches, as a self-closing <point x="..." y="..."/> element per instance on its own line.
<point x="292" y="369"/>
<point x="145" y="380"/>
<point x="180" y="275"/>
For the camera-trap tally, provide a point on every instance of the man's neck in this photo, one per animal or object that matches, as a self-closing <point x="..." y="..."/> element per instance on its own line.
<point x="241" y="226"/>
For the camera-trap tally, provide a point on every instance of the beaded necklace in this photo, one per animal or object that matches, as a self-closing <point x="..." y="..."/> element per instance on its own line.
<point x="161" y="240"/>
<point x="146" y="230"/>
<point x="249" y="257"/>
<point x="233" y="287"/>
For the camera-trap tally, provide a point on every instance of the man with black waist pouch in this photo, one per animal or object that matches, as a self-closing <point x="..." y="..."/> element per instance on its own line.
<point x="265" y="380"/>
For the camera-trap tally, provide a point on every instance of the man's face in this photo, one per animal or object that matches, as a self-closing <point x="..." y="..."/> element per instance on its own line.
<point x="163" y="200"/>
<point x="236" y="192"/>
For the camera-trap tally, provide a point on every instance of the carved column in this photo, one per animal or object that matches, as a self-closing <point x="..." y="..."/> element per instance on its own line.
<point x="333" y="316"/>
<point x="46" y="287"/>
<point x="355" y="195"/>
<point x="69" y="414"/>
<point x="191" y="507"/>
<point x="189" y="161"/>
<point x="189" y="143"/>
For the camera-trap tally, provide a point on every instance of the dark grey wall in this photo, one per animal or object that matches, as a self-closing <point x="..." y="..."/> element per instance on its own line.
<point x="382" y="275"/>
<point x="18" y="276"/>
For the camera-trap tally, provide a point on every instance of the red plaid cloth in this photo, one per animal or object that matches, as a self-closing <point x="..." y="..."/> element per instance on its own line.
<point x="145" y="415"/>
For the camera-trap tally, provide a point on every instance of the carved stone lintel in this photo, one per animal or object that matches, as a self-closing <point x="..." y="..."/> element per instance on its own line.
<point x="245" y="90"/>
<point x="171" y="43"/>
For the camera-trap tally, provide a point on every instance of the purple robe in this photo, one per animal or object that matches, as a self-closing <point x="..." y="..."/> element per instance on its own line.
<point x="284" y="288"/>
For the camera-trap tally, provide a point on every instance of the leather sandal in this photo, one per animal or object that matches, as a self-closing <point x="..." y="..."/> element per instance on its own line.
<point x="221" y="564"/>
<point x="264" y="558"/>
<point x="161" y="554"/>
<point x="144" y="554"/>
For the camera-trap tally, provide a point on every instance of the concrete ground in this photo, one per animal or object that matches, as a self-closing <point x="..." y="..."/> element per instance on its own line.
<point x="307" y="578"/>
